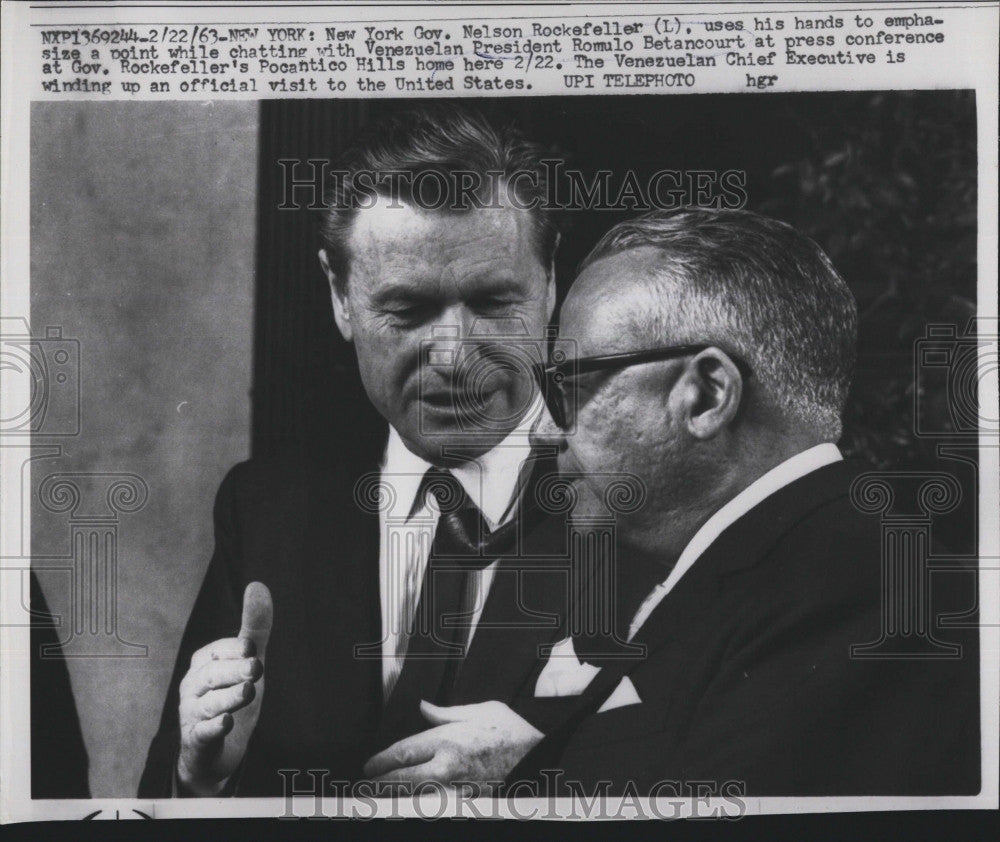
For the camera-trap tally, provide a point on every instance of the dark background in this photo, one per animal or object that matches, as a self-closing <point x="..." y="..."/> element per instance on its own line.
<point x="885" y="182"/>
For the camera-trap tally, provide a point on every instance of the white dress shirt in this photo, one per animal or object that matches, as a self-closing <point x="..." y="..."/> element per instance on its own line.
<point x="407" y="529"/>
<point x="778" y="477"/>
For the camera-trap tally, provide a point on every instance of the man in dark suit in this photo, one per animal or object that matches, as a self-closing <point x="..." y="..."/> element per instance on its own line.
<point x="770" y="578"/>
<point x="361" y="588"/>
<point x="715" y="351"/>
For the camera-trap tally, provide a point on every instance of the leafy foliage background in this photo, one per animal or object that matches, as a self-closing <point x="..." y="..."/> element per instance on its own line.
<point x="887" y="186"/>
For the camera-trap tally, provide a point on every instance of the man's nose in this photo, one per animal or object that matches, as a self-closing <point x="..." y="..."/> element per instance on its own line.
<point x="447" y="337"/>
<point x="457" y="320"/>
<point x="547" y="432"/>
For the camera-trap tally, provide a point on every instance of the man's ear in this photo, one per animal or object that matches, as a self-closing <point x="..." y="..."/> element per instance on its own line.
<point x="711" y="389"/>
<point x="341" y="311"/>
<point x="550" y="304"/>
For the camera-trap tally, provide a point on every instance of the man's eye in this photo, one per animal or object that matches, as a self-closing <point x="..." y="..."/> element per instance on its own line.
<point x="492" y="305"/>
<point x="411" y="314"/>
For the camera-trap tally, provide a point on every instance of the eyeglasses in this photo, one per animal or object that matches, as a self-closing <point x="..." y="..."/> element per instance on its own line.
<point x="561" y="403"/>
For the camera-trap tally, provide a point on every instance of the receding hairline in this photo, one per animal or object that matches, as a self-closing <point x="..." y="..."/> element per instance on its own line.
<point x="758" y="284"/>
<point x="640" y="302"/>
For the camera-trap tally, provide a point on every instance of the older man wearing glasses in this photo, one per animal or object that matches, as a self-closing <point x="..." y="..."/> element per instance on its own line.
<point x="715" y="351"/>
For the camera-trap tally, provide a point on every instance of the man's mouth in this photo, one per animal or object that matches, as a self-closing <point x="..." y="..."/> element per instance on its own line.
<point x="456" y="400"/>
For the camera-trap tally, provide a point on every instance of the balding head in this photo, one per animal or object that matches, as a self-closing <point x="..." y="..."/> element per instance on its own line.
<point x="622" y="302"/>
<point x="767" y="329"/>
<point x="753" y="285"/>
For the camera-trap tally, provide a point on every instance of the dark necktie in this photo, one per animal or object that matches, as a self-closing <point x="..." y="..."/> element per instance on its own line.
<point x="462" y="531"/>
<point x="462" y="545"/>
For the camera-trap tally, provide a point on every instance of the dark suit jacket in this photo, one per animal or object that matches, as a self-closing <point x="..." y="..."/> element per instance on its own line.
<point x="748" y="674"/>
<point x="297" y="528"/>
<point x="59" y="762"/>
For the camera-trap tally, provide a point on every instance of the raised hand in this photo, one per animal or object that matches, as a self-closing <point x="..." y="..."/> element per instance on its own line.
<point x="220" y="699"/>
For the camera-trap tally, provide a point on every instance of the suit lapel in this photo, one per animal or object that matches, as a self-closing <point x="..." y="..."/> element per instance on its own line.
<point x="526" y="605"/>
<point x="341" y="544"/>
<point x="524" y="611"/>
<point x="742" y="545"/>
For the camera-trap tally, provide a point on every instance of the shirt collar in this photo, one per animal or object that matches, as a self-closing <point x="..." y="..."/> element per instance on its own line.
<point x="490" y="480"/>
<point x="777" y="478"/>
<point x="403" y="470"/>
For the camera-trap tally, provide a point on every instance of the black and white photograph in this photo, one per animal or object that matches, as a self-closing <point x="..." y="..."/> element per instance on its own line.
<point x="376" y="455"/>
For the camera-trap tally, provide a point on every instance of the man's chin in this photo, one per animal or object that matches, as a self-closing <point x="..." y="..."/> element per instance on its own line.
<point x="442" y="443"/>
<point x="452" y="428"/>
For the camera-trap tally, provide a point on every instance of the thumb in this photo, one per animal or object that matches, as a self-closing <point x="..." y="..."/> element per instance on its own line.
<point x="258" y="614"/>
<point x="443" y="715"/>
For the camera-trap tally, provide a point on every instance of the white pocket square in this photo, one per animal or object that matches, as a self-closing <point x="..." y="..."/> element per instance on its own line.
<point x="625" y="694"/>
<point x="563" y="674"/>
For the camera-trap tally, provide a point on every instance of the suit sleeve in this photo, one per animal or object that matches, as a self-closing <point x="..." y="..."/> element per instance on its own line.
<point x="216" y="614"/>
<point x="59" y="761"/>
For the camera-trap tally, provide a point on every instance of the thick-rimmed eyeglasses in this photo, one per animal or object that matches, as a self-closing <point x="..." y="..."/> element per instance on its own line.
<point x="561" y="401"/>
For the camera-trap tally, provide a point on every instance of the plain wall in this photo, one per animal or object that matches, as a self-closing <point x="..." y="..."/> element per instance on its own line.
<point x="142" y="248"/>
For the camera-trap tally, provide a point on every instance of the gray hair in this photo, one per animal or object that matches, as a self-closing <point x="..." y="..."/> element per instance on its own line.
<point x="759" y="288"/>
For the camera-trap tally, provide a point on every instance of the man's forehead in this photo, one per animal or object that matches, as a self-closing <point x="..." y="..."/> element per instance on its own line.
<point x="613" y="302"/>
<point x="398" y="229"/>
